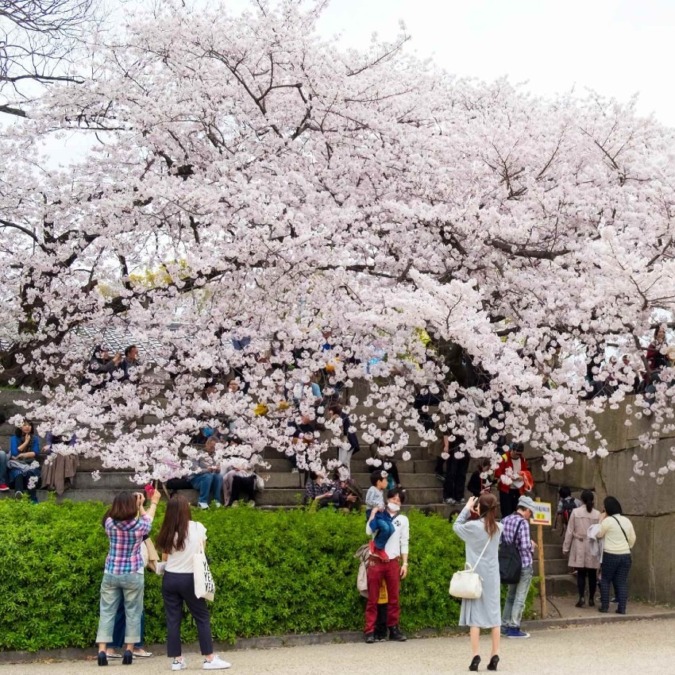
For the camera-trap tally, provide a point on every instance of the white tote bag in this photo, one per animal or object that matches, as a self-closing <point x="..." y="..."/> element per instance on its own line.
<point x="466" y="583"/>
<point x="205" y="586"/>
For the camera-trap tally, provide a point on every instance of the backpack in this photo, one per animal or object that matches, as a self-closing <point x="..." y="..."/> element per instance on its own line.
<point x="568" y="505"/>
<point x="510" y="564"/>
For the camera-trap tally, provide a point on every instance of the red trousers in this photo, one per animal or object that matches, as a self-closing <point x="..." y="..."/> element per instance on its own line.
<point x="391" y="573"/>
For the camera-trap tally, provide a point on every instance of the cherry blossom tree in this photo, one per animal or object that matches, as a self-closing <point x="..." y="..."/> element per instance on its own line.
<point x="38" y="39"/>
<point x="248" y="179"/>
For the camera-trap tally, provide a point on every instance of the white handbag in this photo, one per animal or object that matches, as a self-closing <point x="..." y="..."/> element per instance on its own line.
<point x="467" y="584"/>
<point x="205" y="586"/>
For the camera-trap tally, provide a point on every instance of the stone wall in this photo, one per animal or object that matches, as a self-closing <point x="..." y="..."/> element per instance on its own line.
<point x="651" y="507"/>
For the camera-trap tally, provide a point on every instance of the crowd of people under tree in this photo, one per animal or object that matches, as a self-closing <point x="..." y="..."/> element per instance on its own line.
<point x="223" y="476"/>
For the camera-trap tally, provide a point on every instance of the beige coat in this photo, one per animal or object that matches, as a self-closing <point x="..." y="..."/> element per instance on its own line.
<point x="576" y="538"/>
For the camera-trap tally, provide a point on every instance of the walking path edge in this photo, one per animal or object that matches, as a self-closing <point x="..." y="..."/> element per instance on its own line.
<point x="278" y="641"/>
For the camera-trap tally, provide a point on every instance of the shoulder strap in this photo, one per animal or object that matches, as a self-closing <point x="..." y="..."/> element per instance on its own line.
<point x="624" y="531"/>
<point x="481" y="554"/>
<point x="515" y="534"/>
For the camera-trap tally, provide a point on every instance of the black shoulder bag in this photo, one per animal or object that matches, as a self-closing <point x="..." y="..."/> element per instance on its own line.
<point x="510" y="564"/>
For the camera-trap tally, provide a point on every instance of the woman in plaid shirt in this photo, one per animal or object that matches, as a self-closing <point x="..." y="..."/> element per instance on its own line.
<point x="126" y="524"/>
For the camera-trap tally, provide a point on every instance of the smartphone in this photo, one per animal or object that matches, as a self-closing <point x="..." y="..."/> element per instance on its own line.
<point x="149" y="490"/>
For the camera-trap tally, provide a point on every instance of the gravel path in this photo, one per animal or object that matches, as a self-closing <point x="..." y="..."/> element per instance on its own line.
<point x="643" y="647"/>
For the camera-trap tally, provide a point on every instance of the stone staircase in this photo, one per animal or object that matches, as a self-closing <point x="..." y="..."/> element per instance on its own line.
<point x="282" y="487"/>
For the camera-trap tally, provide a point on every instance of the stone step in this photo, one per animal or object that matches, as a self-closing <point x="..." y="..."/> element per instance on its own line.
<point x="109" y="480"/>
<point x="413" y="466"/>
<point x="123" y="480"/>
<point x="89" y="464"/>
<point x="416" y="453"/>
<point x="277" y="463"/>
<point x="553" y="551"/>
<point x="408" y="480"/>
<point x="553" y="567"/>
<point x="561" y="584"/>
<point x="286" y="497"/>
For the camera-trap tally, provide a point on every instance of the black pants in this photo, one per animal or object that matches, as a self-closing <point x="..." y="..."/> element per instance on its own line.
<point x="424" y="400"/>
<point x="243" y="487"/>
<point x="21" y="482"/>
<point x="176" y="589"/>
<point x="615" y="570"/>
<point x="455" y="477"/>
<point x="508" y="502"/>
<point x="591" y="574"/>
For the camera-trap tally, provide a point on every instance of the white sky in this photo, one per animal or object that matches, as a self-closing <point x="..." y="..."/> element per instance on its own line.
<point x="617" y="47"/>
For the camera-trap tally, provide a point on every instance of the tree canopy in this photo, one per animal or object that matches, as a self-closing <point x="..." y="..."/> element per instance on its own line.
<point x="248" y="178"/>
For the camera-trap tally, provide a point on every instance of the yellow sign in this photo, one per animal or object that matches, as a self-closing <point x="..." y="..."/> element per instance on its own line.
<point x="542" y="514"/>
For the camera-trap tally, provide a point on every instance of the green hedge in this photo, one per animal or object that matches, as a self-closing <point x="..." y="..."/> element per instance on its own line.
<point x="277" y="573"/>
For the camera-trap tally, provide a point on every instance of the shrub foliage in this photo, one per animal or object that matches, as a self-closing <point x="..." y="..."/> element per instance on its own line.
<point x="276" y="572"/>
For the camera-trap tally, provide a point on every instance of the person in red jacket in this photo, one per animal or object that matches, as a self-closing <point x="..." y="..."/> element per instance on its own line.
<point x="513" y="478"/>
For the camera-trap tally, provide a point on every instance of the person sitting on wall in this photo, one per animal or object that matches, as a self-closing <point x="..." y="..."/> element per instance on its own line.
<point x="319" y="491"/>
<point x="59" y="469"/>
<point x="348" y="493"/>
<point x="239" y="481"/>
<point x="24" y="470"/>
<point x="207" y="479"/>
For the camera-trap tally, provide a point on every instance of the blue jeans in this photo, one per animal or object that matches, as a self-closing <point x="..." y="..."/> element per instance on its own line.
<point x="114" y="588"/>
<point x="3" y="467"/>
<point x="515" y="599"/>
<point x="120" y="624"/>
<point x="208" y="485"/>
<point x="383" y="527"/>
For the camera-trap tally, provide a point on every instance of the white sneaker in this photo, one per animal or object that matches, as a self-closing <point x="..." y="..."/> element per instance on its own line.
<point x="202" y="505"/>
<point x="217" y="504"/>
<point x="216" y="664"/>
<point x="179" y="665"/>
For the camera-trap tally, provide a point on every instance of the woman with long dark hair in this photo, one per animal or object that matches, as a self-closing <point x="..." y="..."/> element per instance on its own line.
<point x="578" y="546"/>
<point x="126" y="523"/>
<point x="179" y="539"/>
<point x="24" y="472"/>
<point x="477" y="526"/>
<point x="618" y="536"/>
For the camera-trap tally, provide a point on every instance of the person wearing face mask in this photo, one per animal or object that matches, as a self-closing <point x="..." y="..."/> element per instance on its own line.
<point x="391" y="571"/>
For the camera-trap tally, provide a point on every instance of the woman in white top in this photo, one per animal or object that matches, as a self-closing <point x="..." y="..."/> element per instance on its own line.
<point x="179" y="539"/>
<point x="618" y="537"/>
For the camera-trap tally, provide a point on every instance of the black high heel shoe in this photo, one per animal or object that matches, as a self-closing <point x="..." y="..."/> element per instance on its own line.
<point x="128" y="658"/>
<point x="102" y="659"/>
<point x="474" y="663"/>
<point x="493" y="663"/>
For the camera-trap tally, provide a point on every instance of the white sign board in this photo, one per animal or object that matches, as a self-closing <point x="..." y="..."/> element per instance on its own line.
<point x="542" y="514"/>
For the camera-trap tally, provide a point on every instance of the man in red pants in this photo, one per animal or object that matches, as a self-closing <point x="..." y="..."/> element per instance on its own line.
<point x="392" y="571"/>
